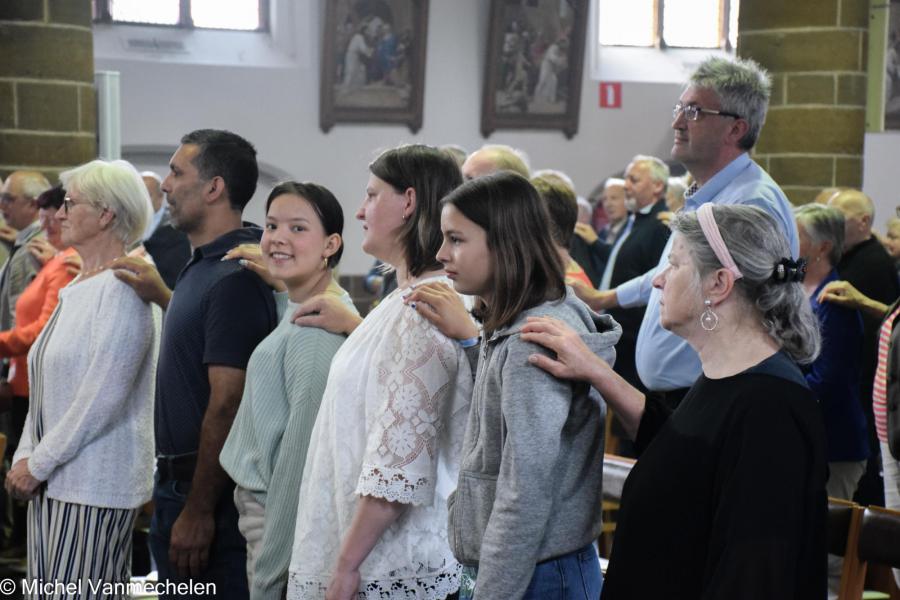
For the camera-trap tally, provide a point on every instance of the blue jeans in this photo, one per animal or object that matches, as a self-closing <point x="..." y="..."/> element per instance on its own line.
<point x="574" y="576"/>
<point x="227" y="567"/>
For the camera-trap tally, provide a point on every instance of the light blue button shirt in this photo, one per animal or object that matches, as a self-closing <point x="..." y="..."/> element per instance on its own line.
<point x="664" y="360"/>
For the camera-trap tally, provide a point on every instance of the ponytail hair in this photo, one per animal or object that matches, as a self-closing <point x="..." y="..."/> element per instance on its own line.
<point x="758" y="246"/>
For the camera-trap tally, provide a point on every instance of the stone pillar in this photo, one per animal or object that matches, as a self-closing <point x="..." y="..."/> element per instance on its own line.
<point x="48" y="108"/>
<point x="815" y="51"/>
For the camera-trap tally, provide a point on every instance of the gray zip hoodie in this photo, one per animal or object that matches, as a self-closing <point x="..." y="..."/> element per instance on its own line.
<point x="532" y="461"/>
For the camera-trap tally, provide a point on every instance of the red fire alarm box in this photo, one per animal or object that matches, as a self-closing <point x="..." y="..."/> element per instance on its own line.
<point x="610" y="94"/>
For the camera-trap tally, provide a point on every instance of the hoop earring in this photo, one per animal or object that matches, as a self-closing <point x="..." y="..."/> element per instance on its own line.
<point x="709" y="320"/>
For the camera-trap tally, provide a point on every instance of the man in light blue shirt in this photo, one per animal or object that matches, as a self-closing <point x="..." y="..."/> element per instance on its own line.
<point x="717" y="121"/>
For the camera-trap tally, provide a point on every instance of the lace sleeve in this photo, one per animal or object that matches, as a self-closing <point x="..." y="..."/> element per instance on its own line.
<point x="415" y="377"/>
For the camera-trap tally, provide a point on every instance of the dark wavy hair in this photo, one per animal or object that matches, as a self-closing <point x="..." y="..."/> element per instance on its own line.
<point x="433" y="174"/>
<point x="52" y="198"/>
<point x="326" y="206"/>
<point x="527" y="270"/>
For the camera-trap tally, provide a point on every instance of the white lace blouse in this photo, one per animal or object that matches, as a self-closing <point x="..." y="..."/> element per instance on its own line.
<point x="390" y="426"/>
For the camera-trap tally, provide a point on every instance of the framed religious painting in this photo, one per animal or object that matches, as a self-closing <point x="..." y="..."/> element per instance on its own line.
<point x="535" y="57"/>
<point x="891" y="71"/>
<point x="373" y="62"/>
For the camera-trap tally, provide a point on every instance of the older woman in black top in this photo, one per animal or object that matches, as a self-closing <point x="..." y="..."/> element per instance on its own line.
<point x="727" y="498"/>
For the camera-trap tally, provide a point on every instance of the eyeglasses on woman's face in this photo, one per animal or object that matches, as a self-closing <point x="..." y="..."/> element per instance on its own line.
<point x="69" y="203"/>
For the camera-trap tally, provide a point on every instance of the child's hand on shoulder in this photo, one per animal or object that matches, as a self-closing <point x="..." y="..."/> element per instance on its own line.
<point x="439" y="304"/>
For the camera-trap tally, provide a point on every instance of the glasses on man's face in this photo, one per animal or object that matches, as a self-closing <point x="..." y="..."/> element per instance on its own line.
<point x="692" y="112"/>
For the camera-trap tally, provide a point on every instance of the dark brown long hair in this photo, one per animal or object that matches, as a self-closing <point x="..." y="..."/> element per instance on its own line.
<point x="433" y="174"/>
<point x="323" y="203"/>
<point x="527" y="270"/>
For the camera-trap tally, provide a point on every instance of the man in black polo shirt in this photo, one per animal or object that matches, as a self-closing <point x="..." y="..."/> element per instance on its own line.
<point x="215" y="318"/>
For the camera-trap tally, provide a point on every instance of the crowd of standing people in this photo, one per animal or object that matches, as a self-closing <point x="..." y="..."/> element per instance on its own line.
<point x="450" y="443"/>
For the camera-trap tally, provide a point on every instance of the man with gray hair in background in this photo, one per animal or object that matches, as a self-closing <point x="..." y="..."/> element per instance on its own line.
<point x="716" y="122"/>
<point x="493" y="158"/>
<point x="18" y="203"/>
<point x="637" y="250"/>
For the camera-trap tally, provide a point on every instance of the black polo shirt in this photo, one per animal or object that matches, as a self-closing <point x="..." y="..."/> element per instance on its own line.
<point x="218" y="313"/>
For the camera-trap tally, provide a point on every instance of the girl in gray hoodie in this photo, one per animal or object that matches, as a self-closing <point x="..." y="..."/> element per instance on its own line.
<point x="527" y="505"/>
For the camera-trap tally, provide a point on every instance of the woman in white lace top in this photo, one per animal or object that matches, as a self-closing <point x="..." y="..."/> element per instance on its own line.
<point x="383" y="457"/>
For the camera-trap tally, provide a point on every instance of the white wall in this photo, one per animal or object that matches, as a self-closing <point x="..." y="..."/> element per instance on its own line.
<point x="276" y="106"/>
<point x="880" y="180"/>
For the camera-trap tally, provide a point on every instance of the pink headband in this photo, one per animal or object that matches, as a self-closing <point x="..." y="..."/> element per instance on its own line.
<point x="711" y="232"/>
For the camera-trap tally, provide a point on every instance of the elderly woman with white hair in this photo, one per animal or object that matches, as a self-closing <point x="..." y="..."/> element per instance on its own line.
<point x="727" y="498"/>
<point x="85" y="459"/>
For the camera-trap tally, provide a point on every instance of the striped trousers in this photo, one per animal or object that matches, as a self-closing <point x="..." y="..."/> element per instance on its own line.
<point x="73" y="543"/>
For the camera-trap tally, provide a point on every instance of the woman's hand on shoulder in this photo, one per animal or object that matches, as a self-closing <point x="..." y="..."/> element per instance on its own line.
<point x="574" y="360"/>
<point x="842" y="293"/>
<point x="597" y="300"/>
<point x="439" y="304"/>
<point x="41" y="249"/>
<point x="143" y="278"/>
<point x="327" y="311"/>
<point x="250" y="257"/>
<point x="586" y="233"/>
<point x="73" y="264"/>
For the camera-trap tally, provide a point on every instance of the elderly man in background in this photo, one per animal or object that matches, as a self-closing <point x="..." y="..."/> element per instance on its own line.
<point x="495" y="157"/>
<point x="613" y="202"/>
<point x="716" y="122"/>
<point x="590" y="248"/>
<point x="637" y="250"/>
<point x="870" y="269"/>
<point x="827" y="194"/>
<point x="169" y="248"/>
<point x="18" y="203"/>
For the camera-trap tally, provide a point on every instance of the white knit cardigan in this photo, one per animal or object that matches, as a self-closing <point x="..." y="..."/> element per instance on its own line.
<point x="93" y="371"/>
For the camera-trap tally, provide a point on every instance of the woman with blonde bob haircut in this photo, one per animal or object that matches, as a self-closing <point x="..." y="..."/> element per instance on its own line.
<point x="85" y="459"/>
<point x="741" y="463"/>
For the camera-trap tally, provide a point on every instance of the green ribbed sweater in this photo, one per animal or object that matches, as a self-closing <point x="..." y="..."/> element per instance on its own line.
<point x="266" y="449"/>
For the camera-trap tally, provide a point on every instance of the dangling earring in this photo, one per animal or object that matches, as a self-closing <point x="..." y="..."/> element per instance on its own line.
<point x="324" y="263"/>
<point x="709" y="320"/>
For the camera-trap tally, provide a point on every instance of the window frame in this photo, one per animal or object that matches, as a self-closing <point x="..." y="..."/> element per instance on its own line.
<point x="102" y="14"/>
<point x="658" y="25"/>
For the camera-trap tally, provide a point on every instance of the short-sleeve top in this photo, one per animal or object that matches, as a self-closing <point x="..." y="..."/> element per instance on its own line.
<point x="218" y="314"/>
<point x="390" y="426"/>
